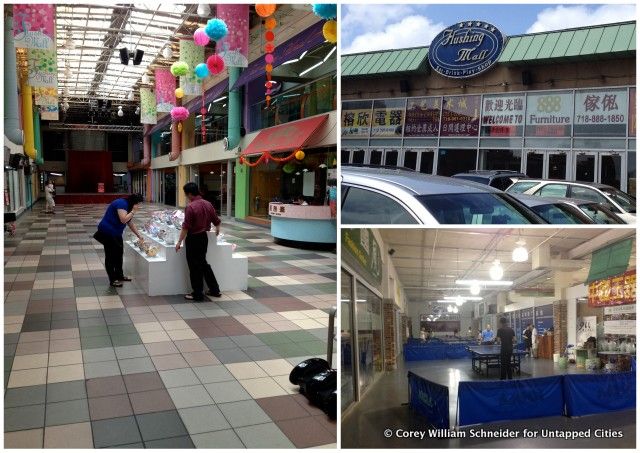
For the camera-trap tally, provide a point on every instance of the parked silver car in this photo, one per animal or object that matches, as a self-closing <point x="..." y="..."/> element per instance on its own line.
<point x="569" y="210"/>
<point x="395" y="196"/>
<point x="620" y="203"/>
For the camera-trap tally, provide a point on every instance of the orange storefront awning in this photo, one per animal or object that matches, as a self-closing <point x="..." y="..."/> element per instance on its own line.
<point x="285" y="137"/>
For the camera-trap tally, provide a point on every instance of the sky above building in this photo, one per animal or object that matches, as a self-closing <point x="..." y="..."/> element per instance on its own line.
<point x="367" y="27"/>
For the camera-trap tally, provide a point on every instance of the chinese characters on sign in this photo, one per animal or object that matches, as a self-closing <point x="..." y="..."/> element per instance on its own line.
<point x="387" y="122"/>
<point x="601" y="107"/>
<point x="460" y="116"/>
<point x="502" y="114"/>
<point x="356" y="123"/>
<point x="423" y="117"/>
<point x="618" y="290"/>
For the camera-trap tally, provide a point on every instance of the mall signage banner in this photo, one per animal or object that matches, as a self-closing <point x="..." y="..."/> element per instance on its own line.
<point x="549" y="114"/>
<point x="423" y="117"/>
<point x="466" y="49"/>
<point x="42" y="68"/>
<point x="193" y="55"/>
<point x="619" y="290"/>
<point x="364" y="251"/>
<point x="387" y="122"/>
<point x="460" y="116"/>
<point x="165" y="90"/>
<point x="499" y="110"/>
<point x="234" y="48"/>
<point x="586" y="328"/>
<point x="33" y="26"/>
<point x="620" y="327"/>
<point x="356" y="123"/>
<point x="608" y="106"/>
<point x="148" y="112"/>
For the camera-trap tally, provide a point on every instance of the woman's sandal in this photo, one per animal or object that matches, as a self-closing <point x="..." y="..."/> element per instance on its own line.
<point x="116" y="284"/>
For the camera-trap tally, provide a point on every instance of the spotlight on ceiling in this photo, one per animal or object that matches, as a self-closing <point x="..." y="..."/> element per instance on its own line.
<point x="145" y="78"/>
<point x="136" y="56"/>
<point x="167" y="52"/>
<point x="137" y="110"/>
<point x="130" y="96"/>
<point x="520" y="253"/>
<point x="203" y="10"/>
<point x="496" y="271"/>
<point x="474" y="289"/>
<point x="120" y="112"/>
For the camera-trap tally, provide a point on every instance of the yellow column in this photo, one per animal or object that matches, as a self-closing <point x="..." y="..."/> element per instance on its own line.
<point x="188" y="132"/>
<point x="27" y="120"/>
<point x="183" y="176"/>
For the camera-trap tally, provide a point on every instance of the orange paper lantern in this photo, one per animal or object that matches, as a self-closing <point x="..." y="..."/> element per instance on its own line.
<point x="265" y="9"/>
<point x="270" y="23"/>
<point x="268" y="68"/>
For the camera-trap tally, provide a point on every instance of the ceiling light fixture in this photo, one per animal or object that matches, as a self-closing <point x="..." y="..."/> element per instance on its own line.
<point x="455" y="310"/>
<point x="130" y="96"/>
<point x="465" y="298"/>
<point x="203" y="10"/>
<point x="496" y="271"/>
<point x="475" y="290"/>
<point x="167" y="52"/>
<point x="120" y="112"/>
<point x="449" y="308"/>
<point x="520" y="253"/>
<point x="219" y="99"/>
<point x="137" y="110"/>
<point x="309" y="69"/>
<point x="330" y="53"/>
<point x="145" y="78"/>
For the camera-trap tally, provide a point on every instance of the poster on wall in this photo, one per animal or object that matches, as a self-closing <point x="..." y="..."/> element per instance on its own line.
<point x="148" y="112"/>
<point x="620" y="327"/>
<point x="460" y="116"/>
<point x="632" y="112"/>
<point x="33" y="26"/>
<point x="549" y="114"/>
<point x="543" y="318"/>
<point x="234" y="48"/>
<point x="49" y="112"/>
<point x="423" y="117"/>
<point x="165" y="90"/>
<point x="191" y="54"/>
<point x="356" y="123"/>
<point x="387" y="122"/>
<point x="363" y="249"/>
<point x="619" y="290"/>
<point x="586" y="329"/>
<point x="501" y="115"/>
<point x="42" y="68"/>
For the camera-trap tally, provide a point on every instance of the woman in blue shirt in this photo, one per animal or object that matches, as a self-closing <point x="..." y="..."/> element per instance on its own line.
<point x="118" y="215"/>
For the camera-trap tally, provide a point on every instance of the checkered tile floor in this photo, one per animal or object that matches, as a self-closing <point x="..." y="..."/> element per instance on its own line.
<point x="87" y="365"/>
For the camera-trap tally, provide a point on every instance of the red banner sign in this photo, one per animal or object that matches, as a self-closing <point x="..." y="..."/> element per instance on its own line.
<point x="620" y="290"/>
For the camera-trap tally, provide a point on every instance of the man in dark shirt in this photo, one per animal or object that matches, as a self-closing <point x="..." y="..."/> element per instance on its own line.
<point x="507" y="338"/>
<point x="198" y="217"/>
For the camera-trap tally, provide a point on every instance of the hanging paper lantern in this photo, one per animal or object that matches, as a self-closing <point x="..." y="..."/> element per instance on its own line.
<point x="200" y="37"/>
<point x="179" y="114"/>
<point x="241" y="160"/>
<point x="179" y="69"/>
<point x="269" y="47"/>
<point x="216" y="29"/>
<point x="270" y="23"/>
<point x="289" y="167"/>
<point x="215" y="63"/>
<point x="268" y="68"/>
<point x="179" y="93"/>
<point x="326" y="10"/>
<point x="265" y="9"/>
<point x="201" y="71"/>
<point x="269" y="36"/>
<point x="268" y="58"/>
<point x="299" y="154"/>
<point x="330" y="31"/>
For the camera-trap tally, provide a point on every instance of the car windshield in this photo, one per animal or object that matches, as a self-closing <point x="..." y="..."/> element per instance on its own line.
<point x="598" y="214"/>
<point x="557" y="214"/>
<point x="627" y="202"/>
<point x="473" y="208"/>
<point x="521" y="187"/>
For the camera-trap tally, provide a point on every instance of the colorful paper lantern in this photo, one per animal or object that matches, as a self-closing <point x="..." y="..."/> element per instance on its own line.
<point x="201" y="71"/>
<point x="179" y="114"/>
<point x="268" y="68"/>
<point x="265" y="9"/>
<point x="299" y="154"/>
<point x="200" y="37"/>
<point x="326" y="10"/>
<point x="269" y="36"/>
<point x="269" y="47"/>
<point x="215" y="64"/>
<point x="268" y="58"/>
<point x="216" y="29"/>
<point x="179" y="93"/>
<point x="289" y="167"/>
<point x="330" y="31"/>
<point x="241" y="160"/>
<point x="270" y="23"/>
<point x="179" y="69"/>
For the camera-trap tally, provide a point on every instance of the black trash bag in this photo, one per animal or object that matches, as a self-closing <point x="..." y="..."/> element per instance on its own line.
<point x="307" y="369"/>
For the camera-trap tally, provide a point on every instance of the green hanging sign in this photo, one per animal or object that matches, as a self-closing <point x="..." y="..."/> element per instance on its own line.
<point x="362" y="251"/>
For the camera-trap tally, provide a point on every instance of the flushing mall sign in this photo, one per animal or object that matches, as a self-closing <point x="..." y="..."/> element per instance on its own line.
<point x="465" y="49"/>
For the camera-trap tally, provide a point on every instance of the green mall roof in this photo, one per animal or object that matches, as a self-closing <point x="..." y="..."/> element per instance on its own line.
<point x="598" y="41"/>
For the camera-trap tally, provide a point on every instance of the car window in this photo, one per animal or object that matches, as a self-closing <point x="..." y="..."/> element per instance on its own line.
<point x="627" y="202"/>
<point x="585" y="193"/>
<point x="599" y="214"/>
<point x="475" y="208"/>
<point x="557" y="214"/>
<point x="521" y="187"/>
<point x="501" y="182"/>
<point x="366" y="207"/>
<point x="553" y="190"/>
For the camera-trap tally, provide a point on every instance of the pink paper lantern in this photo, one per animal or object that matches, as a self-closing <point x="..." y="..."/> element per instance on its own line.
<point x="215" y="64"/>
<point x="200" y="37"/>
<point x="268" y="58"/>
<point x="179" y="114"/>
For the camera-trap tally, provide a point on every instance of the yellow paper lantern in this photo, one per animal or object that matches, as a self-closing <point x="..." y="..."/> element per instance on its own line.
<point x="179" y="93"/>
<point x="180" y="127"/>
<point x="299" y="154"/>
<point x="330" y="31"/>
<point x="265" y="9"/>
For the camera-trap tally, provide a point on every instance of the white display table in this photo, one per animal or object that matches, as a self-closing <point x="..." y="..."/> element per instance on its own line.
<point x="167" y="273"/>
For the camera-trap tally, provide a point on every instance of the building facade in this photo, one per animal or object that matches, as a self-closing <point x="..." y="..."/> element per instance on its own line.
<point x="555" y="105"/>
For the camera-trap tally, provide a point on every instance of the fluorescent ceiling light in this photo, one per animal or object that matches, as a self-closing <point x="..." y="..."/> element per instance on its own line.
<point x="330" y="53"/>
<point x="219" y="99"/>
<point x="484" y="282"/>
<point x="310" y="68"/>
<point x="55" y="174"/>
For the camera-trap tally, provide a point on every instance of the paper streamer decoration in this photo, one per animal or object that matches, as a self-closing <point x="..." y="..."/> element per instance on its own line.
<point x="42" y="68"/>
<point x="193" y="55"/>
<point x="234" y="48"/>
<point x="165" y="90"/>
<point x="33" y="26"/>
<point x="148" y="112"/>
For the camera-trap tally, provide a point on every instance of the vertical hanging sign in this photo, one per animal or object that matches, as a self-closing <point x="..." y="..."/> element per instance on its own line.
<point x="42" y="68"/>
<point x="165" y="90"/>
<point x="234" y="48"/>
<point x="33" y="26"/>
<point x="191" y="54"/>
<point x="148" y="112"/>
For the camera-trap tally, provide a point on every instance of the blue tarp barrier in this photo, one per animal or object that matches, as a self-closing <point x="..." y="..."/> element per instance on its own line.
<point x="482" y="402"/>
<point x="595" y="393"/>
<point x="430" y="400"/>
<point x="441" y="351"/>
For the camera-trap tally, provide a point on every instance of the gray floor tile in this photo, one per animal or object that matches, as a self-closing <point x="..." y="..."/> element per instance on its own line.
<point x="101" y="369"/>
<point x="131" y="352"/>
<point x="192" y="396"/>
<point x="115" y="431"/>
<point x="232" y="356"/>
<point x="258" y="436"/>
<point x="98" y="355"/>
<point x="244" y="413"/>
<point x="226" y="392"/>
<point x="66" y="391"/>
<point x="173" y="442"/>
<point x="26" y="417"/>
<point x="217" y="439"/>
<point x="67" y="412"/>
<point x="217" y="343"/>
<point x="139" y="365"/>
<point x="203" y="419"/>
<point x="245" y="341"/>
<point x="213" y="373"/>
<point x="180" y="377"/>
<point x="25" y="396"/>
<point x="261" y="353"/>
<point x="161" y="425"/>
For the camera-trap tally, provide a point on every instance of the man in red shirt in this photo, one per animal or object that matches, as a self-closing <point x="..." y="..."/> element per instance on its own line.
<point x="198" y="217"/>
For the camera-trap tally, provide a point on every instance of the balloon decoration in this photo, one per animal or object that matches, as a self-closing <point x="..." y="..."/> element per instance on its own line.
<point x="299" y="154"/>
<point x="179" y="93"/>
<point x="215" y="64"/>
<point x="330" y="31"/>
<point x="179" y="68"/>
<point x="216" y="29"/>
<point x="200" y="37"/>
<point x="202" y="71"/>
<point x="325" y="10"/>
<point x="265" y="10"/>
<point x="178" y="115"/>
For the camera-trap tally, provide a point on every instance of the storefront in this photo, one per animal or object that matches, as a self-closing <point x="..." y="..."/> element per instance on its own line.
<point x="541" y="110"/>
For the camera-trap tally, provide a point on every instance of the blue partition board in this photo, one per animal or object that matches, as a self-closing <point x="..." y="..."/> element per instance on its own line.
<point x="430" y="400"/>
<point x="483" y="402"/>
<point x="596" y="393"/>
<point x="436" y="351"/>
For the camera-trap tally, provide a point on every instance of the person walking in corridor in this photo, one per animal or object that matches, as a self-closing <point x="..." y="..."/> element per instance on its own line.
<point x="198" y="217"/>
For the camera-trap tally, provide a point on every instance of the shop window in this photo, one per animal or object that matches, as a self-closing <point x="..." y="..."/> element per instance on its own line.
<point x="369" y="326"/>
<point x="361" y="206"/>
<point x="347" y="369"/>
<point x="345" y="155"/>
<point x="375" y="157"/>
<point x="426" y="162"/>
<point x="631" y="173"/>
<point x="500" y="159"/>
<point x="391" y="158"/>
<point x="410" y="159"/>
<point x="452" y="161"/>
<point x="358" y="157"/>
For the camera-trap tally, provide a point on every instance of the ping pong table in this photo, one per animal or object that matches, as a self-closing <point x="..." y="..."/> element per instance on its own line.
<point x="489" y="355"/>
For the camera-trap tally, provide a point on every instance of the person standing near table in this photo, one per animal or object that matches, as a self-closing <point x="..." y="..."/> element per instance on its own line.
<point x="198" y="217"/>
<point x="487" y="336"/>
<point x="527" y="335"/>
<point x="507" y="338"/>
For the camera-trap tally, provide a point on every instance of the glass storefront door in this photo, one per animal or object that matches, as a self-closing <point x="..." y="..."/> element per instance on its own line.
<point x="586" y="167"/>
<point x="369" y="325"/>
<point x="600" y="167"/>
<point x="546" y="164"/>
<point x="557" y="165"/>
<point x="611" y="169"/>
<point x="347" y="371"/>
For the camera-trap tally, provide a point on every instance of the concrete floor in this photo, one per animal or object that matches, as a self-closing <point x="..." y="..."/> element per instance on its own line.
<point x="384" y="407"/>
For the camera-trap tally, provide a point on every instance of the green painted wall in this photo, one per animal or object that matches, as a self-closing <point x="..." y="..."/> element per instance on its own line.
<point x="242" y="190"/>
